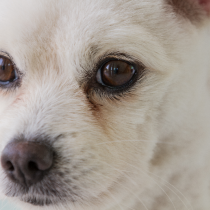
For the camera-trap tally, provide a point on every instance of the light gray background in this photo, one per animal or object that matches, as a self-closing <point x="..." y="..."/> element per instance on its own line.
<point x="5" y="205"/>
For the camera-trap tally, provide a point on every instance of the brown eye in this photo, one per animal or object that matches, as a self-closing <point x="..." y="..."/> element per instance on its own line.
<point x="115" y="73"/>
<point x="7" y="70"/>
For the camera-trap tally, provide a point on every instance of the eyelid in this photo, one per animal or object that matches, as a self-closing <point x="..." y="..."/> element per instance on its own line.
<point x="5" y="54"/>
<point x="116" y="56"/>
<point x="115" y="92"/>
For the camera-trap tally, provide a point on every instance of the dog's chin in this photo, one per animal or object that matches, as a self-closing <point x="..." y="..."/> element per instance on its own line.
<point x="40" y="202"/>
<point x="43" y="201"/>
<point x="47" y="202"/>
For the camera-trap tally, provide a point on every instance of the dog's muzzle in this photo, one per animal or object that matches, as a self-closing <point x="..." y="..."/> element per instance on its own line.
<point x="26" y="163"/>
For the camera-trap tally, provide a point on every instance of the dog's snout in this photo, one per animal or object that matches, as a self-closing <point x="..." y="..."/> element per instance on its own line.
<point x="26" y="163"/>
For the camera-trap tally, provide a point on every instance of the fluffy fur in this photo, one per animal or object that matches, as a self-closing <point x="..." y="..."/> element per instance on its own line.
<point x="149" y="149"/>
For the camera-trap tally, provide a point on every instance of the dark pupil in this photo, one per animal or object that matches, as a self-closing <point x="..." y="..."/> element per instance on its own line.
<point x="7" y="72"/>
<point x="117" y="73"/>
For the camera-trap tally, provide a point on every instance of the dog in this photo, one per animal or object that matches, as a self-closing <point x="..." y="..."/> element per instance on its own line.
<point x="105" y="105"/>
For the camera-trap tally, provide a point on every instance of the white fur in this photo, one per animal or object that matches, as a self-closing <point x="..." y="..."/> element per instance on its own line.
<point x="149" y="150"/>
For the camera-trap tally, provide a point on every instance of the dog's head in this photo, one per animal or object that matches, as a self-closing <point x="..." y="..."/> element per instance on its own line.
<point x="92" y="85"/>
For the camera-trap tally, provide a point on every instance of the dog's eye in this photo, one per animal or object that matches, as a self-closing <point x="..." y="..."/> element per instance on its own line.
<point x="7" y="71"/>
<point x="115" y="73"/>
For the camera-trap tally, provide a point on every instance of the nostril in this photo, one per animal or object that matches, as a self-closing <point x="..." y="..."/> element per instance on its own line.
<point x="9" y="166"/>
<point x="32" y="166"/>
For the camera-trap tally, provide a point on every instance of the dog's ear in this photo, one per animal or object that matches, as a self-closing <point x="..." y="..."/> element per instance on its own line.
<point x="195" y="10"/>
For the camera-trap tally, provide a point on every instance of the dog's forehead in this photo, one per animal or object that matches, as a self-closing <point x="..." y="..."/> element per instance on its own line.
<point x="83" y="27"/>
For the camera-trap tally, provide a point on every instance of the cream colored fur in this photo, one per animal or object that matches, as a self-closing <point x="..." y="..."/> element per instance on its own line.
<point x="150" y="150"/>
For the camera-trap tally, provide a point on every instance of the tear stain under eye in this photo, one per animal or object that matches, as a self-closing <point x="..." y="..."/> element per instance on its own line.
<point x="93" y="107"/>
<point x="96" y="110"/>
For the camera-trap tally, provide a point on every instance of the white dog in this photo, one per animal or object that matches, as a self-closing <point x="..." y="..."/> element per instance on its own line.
<point x="105" y="105"/>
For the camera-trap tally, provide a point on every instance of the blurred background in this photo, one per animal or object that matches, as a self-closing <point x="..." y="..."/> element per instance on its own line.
<point x="6" y="205"/>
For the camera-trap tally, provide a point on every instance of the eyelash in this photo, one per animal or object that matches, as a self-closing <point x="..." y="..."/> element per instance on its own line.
<point x="112" y="96"/>
<point x="109" y="93"/>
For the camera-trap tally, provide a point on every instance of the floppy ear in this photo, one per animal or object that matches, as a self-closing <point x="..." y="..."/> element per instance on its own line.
<point x="195" y="10"/>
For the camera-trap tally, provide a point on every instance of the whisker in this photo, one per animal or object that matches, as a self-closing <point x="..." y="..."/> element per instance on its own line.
<point x="149" y="177"/>
<point x="122" y="141"/>
<point x="124" y="188"/>
<point x="146" y="172"/>
<point x="109" y="193"/>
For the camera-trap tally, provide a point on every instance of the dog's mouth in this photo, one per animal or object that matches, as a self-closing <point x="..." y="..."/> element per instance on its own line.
<point x="47" y="193"/>
<point x="44" y="200"/>
<point x="41" y="200"/>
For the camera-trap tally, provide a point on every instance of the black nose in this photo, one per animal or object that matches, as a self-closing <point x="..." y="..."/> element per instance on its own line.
<point x="26" y="163"/>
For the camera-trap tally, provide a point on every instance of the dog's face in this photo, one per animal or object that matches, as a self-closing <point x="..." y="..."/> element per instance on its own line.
<point x="63" y="90"/>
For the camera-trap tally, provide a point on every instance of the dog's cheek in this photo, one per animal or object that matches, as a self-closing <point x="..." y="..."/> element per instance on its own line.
<point x="107" y="148"/>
